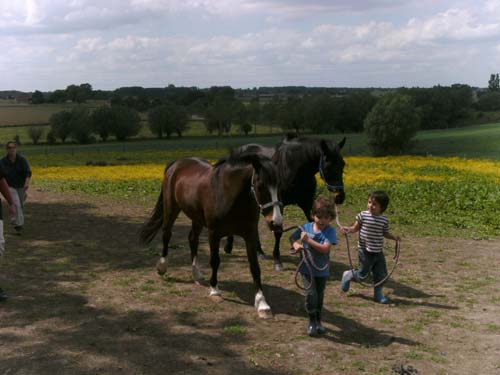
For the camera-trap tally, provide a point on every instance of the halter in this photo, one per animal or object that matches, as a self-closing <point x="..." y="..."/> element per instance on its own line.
<point x="322" y="174"/>
<point x="265" y="205"/>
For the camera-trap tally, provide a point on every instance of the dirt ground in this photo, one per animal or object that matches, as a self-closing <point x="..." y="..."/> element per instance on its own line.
<point x="85" y="299"/>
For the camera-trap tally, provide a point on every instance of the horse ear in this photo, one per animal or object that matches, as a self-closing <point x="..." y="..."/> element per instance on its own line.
<point x="341" y="143"/>
<point x="324" y="146"/>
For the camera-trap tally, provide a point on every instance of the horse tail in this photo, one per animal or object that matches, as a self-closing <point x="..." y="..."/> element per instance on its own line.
<point x="154" y="223"/>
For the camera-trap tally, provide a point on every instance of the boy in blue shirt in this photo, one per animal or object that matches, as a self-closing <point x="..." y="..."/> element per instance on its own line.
<point x="317" y="238"/>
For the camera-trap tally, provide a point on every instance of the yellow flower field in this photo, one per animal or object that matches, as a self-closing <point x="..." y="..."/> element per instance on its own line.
<point x="359" y="170"/>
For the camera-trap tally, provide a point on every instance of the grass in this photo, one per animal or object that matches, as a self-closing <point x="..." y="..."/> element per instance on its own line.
<point x="235" y="330"/>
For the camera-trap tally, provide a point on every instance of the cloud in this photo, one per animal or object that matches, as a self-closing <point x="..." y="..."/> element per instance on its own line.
<point x="112" y="43"/>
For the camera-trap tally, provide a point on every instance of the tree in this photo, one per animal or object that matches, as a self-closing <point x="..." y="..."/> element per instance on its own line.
<point x="320" y="112"/>
<point x="254" y="113"/>
<point x="241" y="117"/>
<point x="127" y="122"/>
<point x="102" y="120"/>
<point x="353" y="111"/>
<point x="60" y="125"/>
<point x="219" y="115"/>
<point x="291" y="115"/>
<point x="37" y="97"/>
<point x="79" y="94"/>
<point x="489" y="101"/>
<point x="391" y="125"/>
<point x="494" y="83"/>
<point x="81" y="124"/>
<point x="167" y="119"/>
<point x="35" y="133"/>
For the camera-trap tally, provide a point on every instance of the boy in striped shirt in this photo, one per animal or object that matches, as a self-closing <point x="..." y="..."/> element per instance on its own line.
<point x="373" y="226"/>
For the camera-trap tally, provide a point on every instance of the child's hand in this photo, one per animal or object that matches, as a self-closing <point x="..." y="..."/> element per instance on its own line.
<point x="297" y="246"/>
<point x="344" y="230"/>
<point x="304" y="237"/>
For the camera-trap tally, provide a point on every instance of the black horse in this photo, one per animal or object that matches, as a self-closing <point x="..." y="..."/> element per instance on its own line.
<point x="226" y="198"/>
<point x="298" y="159"/>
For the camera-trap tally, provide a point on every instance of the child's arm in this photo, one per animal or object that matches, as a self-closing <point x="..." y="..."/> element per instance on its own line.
<point x="391" y="236"/>
<point x="352" y="229"/>
<point x="322" y="248"/>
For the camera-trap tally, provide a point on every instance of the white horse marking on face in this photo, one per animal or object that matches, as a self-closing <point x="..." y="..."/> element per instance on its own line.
<point x="277" y="216"/>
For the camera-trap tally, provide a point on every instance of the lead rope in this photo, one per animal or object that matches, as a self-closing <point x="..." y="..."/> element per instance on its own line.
<point x="397" y="252"/>
<point x="306" y="259"/>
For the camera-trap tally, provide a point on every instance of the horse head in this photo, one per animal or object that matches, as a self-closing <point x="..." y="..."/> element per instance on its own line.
<point x="331" y="168"/>
<point x="264" y="186"/>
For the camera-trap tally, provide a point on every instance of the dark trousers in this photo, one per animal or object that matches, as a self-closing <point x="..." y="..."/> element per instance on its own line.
<point x="315" y="294"/>
<point x="371" y="262"/>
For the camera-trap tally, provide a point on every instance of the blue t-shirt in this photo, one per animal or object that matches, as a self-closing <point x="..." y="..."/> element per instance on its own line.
<point x="321" y="260"/>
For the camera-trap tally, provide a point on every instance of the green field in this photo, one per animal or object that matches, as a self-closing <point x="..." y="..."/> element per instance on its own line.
<point x="480" y="141"/>
<point x="15" y="114"/>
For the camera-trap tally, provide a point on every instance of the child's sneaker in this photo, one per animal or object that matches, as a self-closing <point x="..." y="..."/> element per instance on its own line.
<point x="379" y="297"/>
<point x="346" y="280"/>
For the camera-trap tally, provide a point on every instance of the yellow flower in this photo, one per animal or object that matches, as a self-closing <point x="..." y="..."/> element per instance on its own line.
<point x="359" y="170"/>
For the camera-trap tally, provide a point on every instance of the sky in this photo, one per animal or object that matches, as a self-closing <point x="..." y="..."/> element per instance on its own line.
<point x="49" y="44"/>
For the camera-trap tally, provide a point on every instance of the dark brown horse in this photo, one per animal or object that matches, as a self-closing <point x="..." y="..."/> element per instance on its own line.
<point x="298" y="160"/>
<point x="226" y="199"/>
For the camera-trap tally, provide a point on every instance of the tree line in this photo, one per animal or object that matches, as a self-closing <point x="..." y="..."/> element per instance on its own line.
<point x="382" y="114"/>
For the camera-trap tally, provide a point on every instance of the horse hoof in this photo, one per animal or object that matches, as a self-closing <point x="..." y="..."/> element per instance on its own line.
<point x="265" y="314"/>
<point x="215" y="292"/>
<point x="278" y="267"/>
<point x="161" y="266"/>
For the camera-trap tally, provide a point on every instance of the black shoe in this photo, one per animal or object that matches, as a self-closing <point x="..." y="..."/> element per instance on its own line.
<point x="3" y="296"/>
<point x="312" y="328"/>
<point x="19" y="229"/>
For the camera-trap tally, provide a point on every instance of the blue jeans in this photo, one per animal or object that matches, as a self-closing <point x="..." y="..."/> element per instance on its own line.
<point x="315" y="294"/>
<point x="371" y="262"/>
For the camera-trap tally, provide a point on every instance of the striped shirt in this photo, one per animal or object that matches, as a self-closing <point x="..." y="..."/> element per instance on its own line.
<point x="371" y="231"/>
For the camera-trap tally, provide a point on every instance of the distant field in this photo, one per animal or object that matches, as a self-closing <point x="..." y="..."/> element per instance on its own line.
<point x="12" y="113"/>
<point x="16" y="119"/>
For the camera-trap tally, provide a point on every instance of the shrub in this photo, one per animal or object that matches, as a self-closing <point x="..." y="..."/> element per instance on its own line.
<point x="391" y="125"/>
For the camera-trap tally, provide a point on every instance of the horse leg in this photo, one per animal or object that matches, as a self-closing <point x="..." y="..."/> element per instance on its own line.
<point x="228" y="248"/>
<point x="263" y="309"/>
<point x="214" y="243"/>
<point x="278" y="266"/>
<point x="171" y="212"/>
<point x="194" y="236"/>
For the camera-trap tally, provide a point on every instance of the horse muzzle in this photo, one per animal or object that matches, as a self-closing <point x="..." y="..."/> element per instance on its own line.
<point x="339" y="196"/>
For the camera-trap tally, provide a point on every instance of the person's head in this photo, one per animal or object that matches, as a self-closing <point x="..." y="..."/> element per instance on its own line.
<point x="378" y="202"/>
<point x="323" y="210"/>
<point x="11" y="148"/>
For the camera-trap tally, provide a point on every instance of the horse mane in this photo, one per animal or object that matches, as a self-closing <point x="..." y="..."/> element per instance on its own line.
<point x="253" y="155"/>
<point x="294" y="152"/>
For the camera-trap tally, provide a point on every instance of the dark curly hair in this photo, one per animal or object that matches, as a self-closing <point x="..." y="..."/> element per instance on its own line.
<point x="381" y="198"/>
<point x="323" y="207"/>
